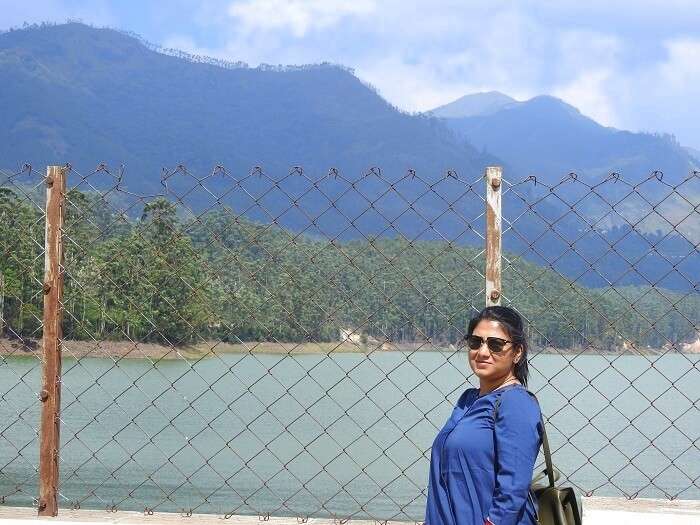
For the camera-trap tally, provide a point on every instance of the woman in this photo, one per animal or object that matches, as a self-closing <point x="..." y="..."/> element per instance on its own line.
<point x="482" y="460"/>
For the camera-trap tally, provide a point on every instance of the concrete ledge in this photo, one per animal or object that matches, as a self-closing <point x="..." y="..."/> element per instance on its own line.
<point x="640" y="511"/>
<point x="596" y="511"/>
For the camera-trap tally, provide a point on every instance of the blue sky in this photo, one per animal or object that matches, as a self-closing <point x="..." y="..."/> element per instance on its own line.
<point x="632" y="64"/>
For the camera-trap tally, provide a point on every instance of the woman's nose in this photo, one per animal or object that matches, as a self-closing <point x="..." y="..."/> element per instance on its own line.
<point x="483" y="350"/>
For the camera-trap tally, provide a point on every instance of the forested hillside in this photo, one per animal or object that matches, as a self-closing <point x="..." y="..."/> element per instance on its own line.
<point x="220" y="276"/>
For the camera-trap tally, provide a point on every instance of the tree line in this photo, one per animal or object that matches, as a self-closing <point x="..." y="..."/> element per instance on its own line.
<point x="164" y="277"/>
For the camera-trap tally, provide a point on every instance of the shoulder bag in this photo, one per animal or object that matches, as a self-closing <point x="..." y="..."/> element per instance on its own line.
<point x="556" y="505"/>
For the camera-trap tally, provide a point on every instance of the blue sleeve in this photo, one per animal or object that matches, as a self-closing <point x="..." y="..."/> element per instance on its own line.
<point x="517" y="442"/>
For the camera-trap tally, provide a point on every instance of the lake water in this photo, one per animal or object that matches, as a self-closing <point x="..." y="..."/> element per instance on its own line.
<point x="346" y="435"/>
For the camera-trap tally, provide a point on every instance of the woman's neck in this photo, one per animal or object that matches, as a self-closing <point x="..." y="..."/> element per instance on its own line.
<point x="486" y="387"/>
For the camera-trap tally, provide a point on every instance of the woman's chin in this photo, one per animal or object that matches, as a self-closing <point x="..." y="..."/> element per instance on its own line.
<point x="480" y="372"/>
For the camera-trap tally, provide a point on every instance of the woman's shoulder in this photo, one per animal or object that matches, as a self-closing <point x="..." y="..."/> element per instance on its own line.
<point x="519" y="400"/>
<point x="519" y="415"/>
<point x="467" y="397"/>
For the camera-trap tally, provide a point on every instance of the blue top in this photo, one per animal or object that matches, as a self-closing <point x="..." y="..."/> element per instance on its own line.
<point x="481" y="468"/>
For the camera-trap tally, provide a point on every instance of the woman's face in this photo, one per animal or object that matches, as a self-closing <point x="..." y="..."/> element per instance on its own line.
<point x="491" y="366"/>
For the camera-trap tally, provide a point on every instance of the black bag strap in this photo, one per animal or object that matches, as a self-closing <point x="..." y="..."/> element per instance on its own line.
<point x="572" y="501"/>
<point x="549" y="467"/>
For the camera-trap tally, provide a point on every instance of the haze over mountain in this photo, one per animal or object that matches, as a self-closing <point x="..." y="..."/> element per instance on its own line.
<point x="473" y="105"/>
<point x="695" y="153"/>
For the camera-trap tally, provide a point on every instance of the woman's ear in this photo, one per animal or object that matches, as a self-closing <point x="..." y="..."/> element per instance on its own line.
<point x="518" y="355"/>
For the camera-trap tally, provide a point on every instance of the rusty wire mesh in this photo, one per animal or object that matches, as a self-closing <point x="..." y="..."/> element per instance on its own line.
<point x="21" y="303"/>
<point x="287" y="344"/>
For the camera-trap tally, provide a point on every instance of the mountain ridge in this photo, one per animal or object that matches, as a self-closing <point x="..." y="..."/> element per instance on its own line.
<point x="473" y="104"/>
<point x="103" y="91"/>
<point x="549" y="138"/>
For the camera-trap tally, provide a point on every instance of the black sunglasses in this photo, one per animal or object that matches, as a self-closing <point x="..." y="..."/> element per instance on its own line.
<point x="494" y="344"/>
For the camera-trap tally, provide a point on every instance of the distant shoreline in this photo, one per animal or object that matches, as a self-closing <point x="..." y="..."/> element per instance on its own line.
<point x="155" y="351"/>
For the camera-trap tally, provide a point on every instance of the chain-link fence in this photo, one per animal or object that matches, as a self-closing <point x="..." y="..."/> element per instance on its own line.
<point x="22" y="227"/>
<point x="288" y="344"/>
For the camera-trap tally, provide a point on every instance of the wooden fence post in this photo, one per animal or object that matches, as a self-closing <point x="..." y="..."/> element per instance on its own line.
<point x="50" y="394"/>
<point x="493" y="177"/>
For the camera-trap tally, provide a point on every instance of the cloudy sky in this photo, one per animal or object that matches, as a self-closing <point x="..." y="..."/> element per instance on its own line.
<point x="632" y="64"/>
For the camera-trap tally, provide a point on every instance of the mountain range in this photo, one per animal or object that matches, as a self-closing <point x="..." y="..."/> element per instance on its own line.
<point x="547" y="138"/>
<point x="91" y="95"/>
<point x="550" y="138"/>
<point x="83" y="95"/>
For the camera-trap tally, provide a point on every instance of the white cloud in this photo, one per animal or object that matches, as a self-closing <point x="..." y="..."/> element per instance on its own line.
<point x="416" y="87"/>
<point x="682" y="69"/>
<point x="589" y="93"/>
<point x="580" y="50"/>
<point x="655" y="96"/>
<point x="421" y="55"/>
<point x="503" y="49"/>
<point x="187" y="44"/>
<point x="662" y="96"/>
<point x="298" y="16"/>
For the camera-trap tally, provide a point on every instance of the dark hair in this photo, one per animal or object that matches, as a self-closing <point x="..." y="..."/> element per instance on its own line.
<point x="513" y="325"/>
